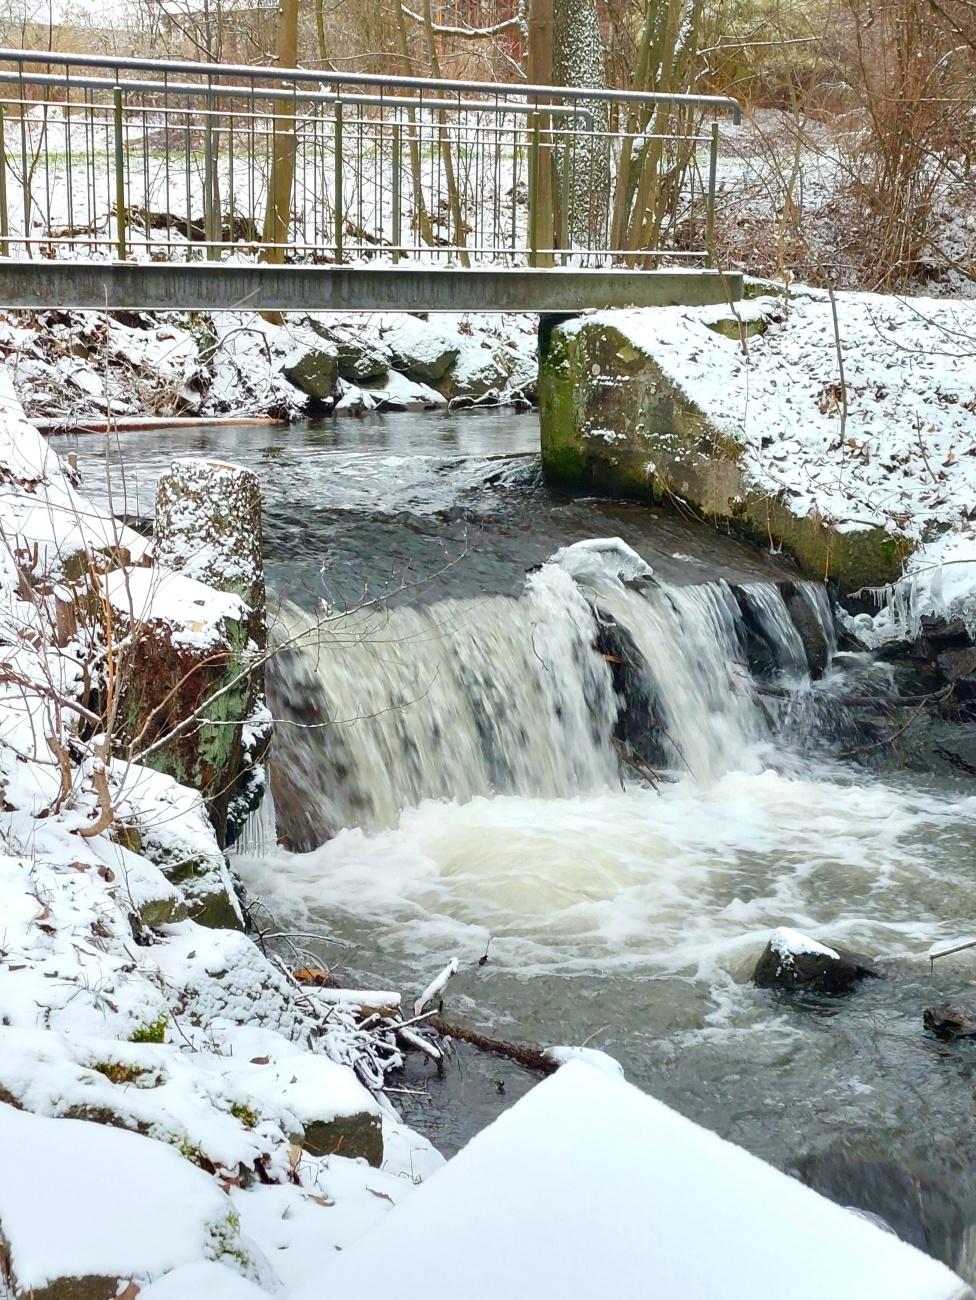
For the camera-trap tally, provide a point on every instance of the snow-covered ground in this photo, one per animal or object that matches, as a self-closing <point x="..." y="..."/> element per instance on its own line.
<point x="870" y="423"/>
<point x="158" y="1080"/>
<point x="78" y="367"/>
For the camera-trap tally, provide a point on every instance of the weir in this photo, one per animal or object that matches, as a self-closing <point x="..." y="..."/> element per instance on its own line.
<point x="540" y="696"/>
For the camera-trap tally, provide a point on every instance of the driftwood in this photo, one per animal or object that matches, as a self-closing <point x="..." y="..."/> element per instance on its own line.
<point x="531" y="1057"/>
<point x="948" y="1022"/>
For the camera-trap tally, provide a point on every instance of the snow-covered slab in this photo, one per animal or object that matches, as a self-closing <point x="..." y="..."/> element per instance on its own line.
<point x="588" y="1187"/>
<point x="196" y="611"/>
<point x="81" y="1200"/>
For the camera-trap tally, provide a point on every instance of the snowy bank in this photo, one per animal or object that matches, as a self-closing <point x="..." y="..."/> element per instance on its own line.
<point x="73" y="368"/>
<point x="854" y="447"/>
<point x="169" y="1093"/>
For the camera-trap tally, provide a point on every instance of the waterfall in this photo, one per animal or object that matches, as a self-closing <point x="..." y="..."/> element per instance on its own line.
<point x="383" y="708"/>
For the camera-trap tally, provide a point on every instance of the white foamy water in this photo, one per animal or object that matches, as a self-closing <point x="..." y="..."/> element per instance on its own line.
<point x="688" y="880"/>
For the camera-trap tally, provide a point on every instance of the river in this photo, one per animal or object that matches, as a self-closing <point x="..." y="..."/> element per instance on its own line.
<point x="478" y="806"/>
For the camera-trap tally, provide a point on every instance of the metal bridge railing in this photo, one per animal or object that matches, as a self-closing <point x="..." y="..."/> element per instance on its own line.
<point x="138" y="158"/>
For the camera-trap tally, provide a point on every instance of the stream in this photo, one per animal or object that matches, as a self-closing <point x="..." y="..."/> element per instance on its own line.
<point x="470" y="785"/>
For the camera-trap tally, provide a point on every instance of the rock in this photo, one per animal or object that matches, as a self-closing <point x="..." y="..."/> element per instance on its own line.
<point x="958" y="664"/>
<point x="353" y="401"/>
<point x="810" y="631"/>
<point x="420" y="350"/>
<point x="118" y="1206"/>
<point x="613" y="422"/>
<point x="479" y="369"/>
<point x="914" y="1204"/>
<point x="359" y="354"/>
<point x="398" y="393"/>
<point x="350" y="1135"/>
<point x="793" y="961"/>
<point x="948" y="1022"/>
<point x="314" y="370"/>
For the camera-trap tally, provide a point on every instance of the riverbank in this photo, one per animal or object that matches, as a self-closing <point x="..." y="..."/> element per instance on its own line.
<point x="71" y="369"/>
<point x="161" y="1082"/>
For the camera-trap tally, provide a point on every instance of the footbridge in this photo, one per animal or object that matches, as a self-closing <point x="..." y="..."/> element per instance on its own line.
<point x="141" y="184"/>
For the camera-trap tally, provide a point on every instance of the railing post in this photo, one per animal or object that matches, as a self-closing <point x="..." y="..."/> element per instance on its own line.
<point x="338" y="207"/>
<point x="710" y="210"/>
<point x="208" y="182"/>
<point x="564" y="201"/>
<point x="395" y="183"/>
<point x="534" y="190"/>
<point x="120" y="213"/>
<point x="4" y="221"/>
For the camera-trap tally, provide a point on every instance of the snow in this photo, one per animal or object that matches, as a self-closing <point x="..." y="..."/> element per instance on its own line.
<point x="147" y="1211"/>
<point x="588" y="1187"/>
<point x="156" y="1066"/>
<point x="590" y="1056"/>
<point x="790" y="943"/>
<point x="196" y="613"/>
<point x="204" y="1279"/>
<point x="901" y="457"/>
<point x="601" y="559"/>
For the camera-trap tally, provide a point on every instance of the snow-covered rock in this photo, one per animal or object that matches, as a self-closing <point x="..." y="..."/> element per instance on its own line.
<point x="97" y="1207"/>
<point x="792" y="960"/>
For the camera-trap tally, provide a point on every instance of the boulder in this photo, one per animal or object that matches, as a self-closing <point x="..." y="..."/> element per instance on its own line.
<point x="480" y="368"/>
<point x="807" y="624"/>
<point x="797" y="963"/>
<point x="117" y="1209"/>
<point x="314" y="370"/>
<point x="421" y="351"/>
<point x="359" y="354"/>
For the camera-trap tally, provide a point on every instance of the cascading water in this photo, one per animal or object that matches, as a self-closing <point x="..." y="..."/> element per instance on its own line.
<point x="383" y="709"/>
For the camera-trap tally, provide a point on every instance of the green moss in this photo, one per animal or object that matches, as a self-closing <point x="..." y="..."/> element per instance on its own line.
<point x="116" y="1072"/>
<point x="154" y="1032"/>
<point x="245" y="1114"/>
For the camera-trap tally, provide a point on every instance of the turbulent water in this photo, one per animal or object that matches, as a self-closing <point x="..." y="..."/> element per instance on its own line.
<point x="615" y="784"/>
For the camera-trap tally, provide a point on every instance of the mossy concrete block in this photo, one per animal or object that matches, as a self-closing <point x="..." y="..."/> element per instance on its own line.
<point x="208" y="526"/>
<point x="354" y="1136"/>
<point x="613" y="423"/>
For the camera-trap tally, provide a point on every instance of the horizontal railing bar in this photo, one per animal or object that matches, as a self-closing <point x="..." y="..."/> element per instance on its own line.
<point x="247" y="73"/>
<point x="305" y="97"/>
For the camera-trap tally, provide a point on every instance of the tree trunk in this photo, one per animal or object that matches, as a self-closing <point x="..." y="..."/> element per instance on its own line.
<point x="421" y="218"/>
<point x="539" y="70"/>
<point x="453" y="196"/>
<point x="584" y="166"/>
<point x="284" y="145"/>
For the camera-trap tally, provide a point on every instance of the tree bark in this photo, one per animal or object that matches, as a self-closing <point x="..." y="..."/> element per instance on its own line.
<point x="539" y="70"/>
<point x="284" y="145"/>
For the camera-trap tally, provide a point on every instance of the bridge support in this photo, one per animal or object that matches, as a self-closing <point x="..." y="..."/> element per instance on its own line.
<point x="202" y="286"/>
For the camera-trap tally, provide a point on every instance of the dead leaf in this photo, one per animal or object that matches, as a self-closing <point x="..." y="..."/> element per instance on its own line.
<point x="106" y="873"/>
<point x="260" y="1060"/>
<point x="382" y="1195"/>
<point x="322" y="1200"/>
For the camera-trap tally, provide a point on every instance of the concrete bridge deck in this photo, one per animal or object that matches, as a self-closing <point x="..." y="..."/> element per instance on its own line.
<point x="209" y="286"/>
